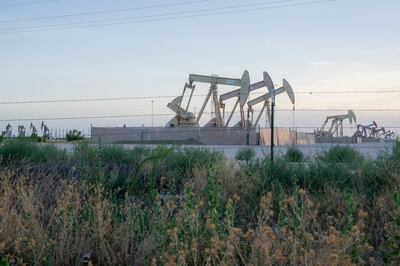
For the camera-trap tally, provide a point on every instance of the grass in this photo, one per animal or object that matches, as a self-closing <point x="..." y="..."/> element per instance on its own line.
<point x="178" y="206"/>
<point x="18" y="150"/>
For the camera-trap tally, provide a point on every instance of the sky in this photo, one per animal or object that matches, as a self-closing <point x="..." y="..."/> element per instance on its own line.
<point x="343" y="45"/>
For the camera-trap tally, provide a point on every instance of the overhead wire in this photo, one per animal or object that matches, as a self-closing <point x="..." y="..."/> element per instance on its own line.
<point x="27" y="3"/>
<point x="150" y="16"/>
<point x="107" y="11"/>
<point x="9" y="102"/>
<point x="169" y="114"/>
<point x="101" y="23"/>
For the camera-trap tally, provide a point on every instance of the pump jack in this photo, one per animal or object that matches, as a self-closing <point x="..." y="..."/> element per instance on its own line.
<point x="389" y="135"/>
<point x="366" y="131"/>
<point x="188" y="118"/>
<point x="183" y="117"/>
<point x="21" y="131"/>
<point x="378" y="132"/>
<point x="242" y="97"/>
<point x="8" y="133"/>
<point x="45" y="129"/>
<point x="336" y="126"/>
<point x="33" y="130"/>
<point x="243" y="83"/>
<point x="265" y="98"/>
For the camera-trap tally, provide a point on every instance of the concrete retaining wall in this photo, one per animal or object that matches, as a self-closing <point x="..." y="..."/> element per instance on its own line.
<point x="285" y="136"/>
<point x="203" y="136"/>
<point x="206" y="136"/>
<point x="341" y="140"/>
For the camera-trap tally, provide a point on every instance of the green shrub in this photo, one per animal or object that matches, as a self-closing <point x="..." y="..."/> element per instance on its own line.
<point x="35" y="138"/>
<point x="245" y="155"/>
<point x="294" y="154"/>
<point x="74" y="135"/>
<point x="341" y="154"/>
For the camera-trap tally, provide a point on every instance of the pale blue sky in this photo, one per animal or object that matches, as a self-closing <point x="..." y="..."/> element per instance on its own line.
<point x="339" y="45"/>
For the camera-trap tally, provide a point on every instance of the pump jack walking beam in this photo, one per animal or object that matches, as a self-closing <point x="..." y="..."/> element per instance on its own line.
<point x="243" y="83"/>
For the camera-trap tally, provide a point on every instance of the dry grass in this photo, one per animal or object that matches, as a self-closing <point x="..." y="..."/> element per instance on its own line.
<point x="225" y="214"/>
<point x="57" y="227"/>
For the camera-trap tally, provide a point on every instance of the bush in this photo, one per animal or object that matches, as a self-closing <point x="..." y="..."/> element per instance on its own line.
<point x="245" y="155"/>
<point x="35" y="138"/>
<point x="15" y="151"/>
<point x="341" y="154"/>
<point x="74" y="135"/>
<point x="294" y="154"/>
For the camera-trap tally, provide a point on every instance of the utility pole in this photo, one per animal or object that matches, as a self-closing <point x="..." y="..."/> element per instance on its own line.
<point x="272" y="125"/>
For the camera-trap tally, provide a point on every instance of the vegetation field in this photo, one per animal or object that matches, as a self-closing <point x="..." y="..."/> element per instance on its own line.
<point x="177" y="206"/>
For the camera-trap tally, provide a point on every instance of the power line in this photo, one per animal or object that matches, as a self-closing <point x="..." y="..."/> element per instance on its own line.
<point x="27" y="3"/>
<point x="173" y="96"/>
<point x="171" y="114"/>
<point x="135" y="20"/>
<point x="107" y="11"/>
<point x="148" y="16"/>
<point x="338" y="110"/>
<point x="350" y="91"/>
<point x="85" y="100"/>
<point x="80" y="117"/>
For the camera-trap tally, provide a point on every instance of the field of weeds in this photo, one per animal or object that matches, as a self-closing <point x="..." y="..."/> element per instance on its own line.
<point x="176" y="206"/>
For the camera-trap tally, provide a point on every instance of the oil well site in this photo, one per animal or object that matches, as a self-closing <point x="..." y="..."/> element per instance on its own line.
<point x="235" y="120"/>
<point x="184" y="127"/>
<point x="200" y="132"/>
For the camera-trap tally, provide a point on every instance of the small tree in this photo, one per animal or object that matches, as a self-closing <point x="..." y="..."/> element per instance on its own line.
<point x="74" y="135"/>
